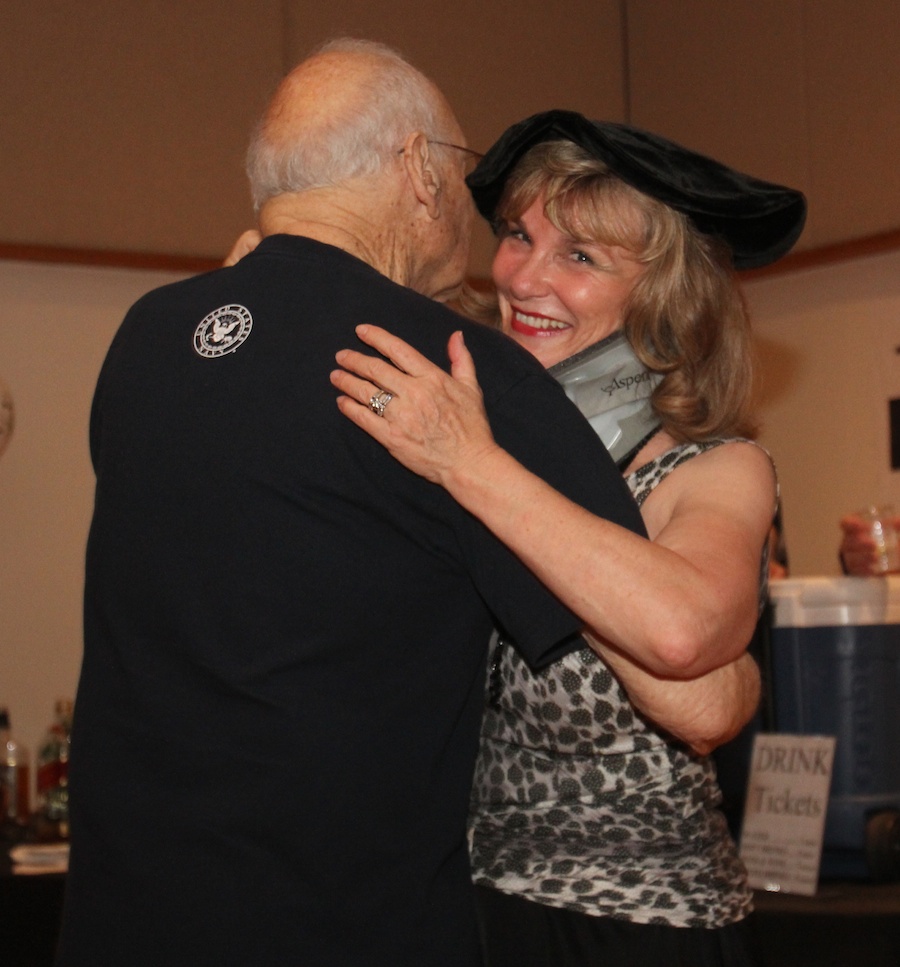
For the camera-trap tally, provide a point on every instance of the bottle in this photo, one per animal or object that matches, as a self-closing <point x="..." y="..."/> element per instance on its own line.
<point x="53" y="776"/>
<point x="14" y="780"/>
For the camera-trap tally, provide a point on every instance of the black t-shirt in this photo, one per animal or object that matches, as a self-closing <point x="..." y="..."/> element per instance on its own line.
<point x="285" y="631"/>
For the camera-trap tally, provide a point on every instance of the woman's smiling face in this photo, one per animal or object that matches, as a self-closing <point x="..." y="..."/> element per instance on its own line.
<point x="558" y="294"/>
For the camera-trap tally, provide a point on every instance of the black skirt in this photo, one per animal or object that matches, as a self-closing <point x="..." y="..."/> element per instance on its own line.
<point x="522" y="933"/>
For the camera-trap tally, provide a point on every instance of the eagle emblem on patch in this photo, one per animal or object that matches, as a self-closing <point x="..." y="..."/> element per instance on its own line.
<point x="222" y="331"/>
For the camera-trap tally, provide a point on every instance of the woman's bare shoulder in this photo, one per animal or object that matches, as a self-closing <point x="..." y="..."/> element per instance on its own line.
<point x="736" y="477"/>
<point x="743" y="455"/>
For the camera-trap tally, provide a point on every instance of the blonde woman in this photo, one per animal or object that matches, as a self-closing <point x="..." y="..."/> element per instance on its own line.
<point x="596" y="835"/>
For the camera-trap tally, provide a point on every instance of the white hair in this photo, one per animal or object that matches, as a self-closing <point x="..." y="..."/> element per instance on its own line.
<point x="359" y="139"/>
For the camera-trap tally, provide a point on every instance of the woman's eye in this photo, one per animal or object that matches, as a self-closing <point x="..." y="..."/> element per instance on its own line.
<point x="582" y="257"/>
<point x="506" y="230"/>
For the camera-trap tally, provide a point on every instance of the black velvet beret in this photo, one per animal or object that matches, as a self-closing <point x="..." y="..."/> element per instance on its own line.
<point x="759" y="220"/>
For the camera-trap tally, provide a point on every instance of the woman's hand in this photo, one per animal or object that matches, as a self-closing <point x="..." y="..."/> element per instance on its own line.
<point x="859" y="553"/>
<point x="434" y="424"/>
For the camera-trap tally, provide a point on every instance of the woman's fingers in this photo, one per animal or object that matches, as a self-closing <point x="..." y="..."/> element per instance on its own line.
<point x="433" y="422"/>
<point x="399" y="352"/>
<point x="362" y="376"/>
<point x="462" y="366"/>
<point x="359" y="390"/>
<point x="363" y="417"/>
<point x="372" y="368"/>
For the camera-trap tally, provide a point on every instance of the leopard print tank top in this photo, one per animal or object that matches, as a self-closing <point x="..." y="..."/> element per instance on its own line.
<point x="579" y="803"/>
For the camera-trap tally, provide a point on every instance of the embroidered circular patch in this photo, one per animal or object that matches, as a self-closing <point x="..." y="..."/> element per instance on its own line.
<point x="222" y="331"/>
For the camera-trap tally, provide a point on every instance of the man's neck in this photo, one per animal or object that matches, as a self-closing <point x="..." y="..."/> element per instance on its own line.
<point x="342" y="219"/>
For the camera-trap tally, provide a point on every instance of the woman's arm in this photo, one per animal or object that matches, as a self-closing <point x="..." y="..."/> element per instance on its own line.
<point x="702" y="712"/>
<point x="679" y="606"/>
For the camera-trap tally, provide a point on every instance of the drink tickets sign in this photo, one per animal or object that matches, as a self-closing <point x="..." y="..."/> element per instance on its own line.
<point x="784" y="812"/>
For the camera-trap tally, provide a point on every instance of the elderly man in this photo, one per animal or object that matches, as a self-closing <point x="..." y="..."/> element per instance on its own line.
<point x="285" y="631"/>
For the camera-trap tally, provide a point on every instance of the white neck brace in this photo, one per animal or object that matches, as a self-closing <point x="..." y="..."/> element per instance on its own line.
<point x="612" y="388"/>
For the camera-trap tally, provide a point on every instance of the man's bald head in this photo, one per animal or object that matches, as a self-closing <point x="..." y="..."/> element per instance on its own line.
<point x="343" y="113"/>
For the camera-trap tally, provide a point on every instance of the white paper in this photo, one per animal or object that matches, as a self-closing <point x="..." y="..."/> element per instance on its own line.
<point x="784" y="813"/>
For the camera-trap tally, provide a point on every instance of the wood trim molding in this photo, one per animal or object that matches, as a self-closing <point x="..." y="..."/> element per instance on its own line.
<point x="794" y="262"/>
<point x="829" y="254"/>
<point x="108" y="258"/>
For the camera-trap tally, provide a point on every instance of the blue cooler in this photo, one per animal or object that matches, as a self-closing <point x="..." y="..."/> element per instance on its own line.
<point x="835" y="670"/>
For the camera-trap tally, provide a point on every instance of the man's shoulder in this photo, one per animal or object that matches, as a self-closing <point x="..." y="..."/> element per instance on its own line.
<point x="177" y="291"/>
<point x="428" y="325"/>
<point x="501" y="362"/>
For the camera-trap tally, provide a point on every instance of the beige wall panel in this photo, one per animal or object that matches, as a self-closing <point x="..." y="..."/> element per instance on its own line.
<point x="853" y="63"/>
<point x="125" y="124"/>
<point x="726" y="79"/>
<point x="56" y="325"/>
<point x="827" y="340"/>
<point x="496" y="60"/>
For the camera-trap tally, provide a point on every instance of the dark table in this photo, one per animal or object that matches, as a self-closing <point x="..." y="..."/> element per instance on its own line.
<point x="30" y="912"/>
<point x="846" y="924"/>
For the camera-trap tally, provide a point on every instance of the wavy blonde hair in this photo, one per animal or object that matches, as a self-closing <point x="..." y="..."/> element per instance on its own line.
<point x="685" y="317"/>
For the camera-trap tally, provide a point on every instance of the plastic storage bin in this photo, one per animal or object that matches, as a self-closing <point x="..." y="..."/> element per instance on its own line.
<point x="835" y="670"/>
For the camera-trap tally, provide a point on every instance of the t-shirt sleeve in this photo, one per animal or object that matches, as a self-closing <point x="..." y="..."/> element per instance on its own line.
<point x="539" y="426"/>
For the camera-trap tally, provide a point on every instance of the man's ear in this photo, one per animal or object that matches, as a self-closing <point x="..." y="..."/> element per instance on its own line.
<point x="423" y="173"/>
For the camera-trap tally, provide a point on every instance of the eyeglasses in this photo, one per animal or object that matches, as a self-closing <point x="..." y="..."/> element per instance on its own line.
<point x="473" y="156"/>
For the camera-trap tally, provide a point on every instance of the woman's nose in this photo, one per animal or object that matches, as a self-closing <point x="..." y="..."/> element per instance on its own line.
<point x="528" y="278"/>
